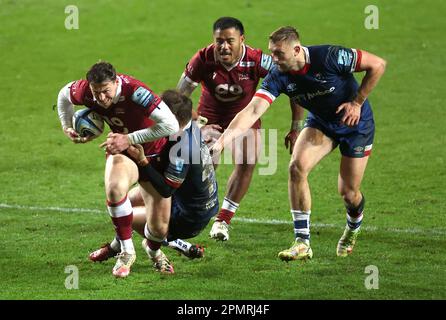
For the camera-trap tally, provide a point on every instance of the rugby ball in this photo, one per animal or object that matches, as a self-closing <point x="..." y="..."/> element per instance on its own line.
<point x="88" y="123"/>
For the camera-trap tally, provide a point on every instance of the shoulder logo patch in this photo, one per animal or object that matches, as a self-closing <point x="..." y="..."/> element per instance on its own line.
<point x="142" y="96"/>
<point x="344" y="58"/>
<point x="266" y="61"/>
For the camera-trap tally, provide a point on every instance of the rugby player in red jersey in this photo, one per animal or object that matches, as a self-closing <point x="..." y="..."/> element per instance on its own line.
<point x="136" y="115"/>
<point x="229" y="72"/>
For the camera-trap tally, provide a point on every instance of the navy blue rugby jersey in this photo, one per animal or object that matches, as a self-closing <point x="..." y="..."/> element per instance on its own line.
<point x="190" y="171"/>
<point x="325" y="82"/>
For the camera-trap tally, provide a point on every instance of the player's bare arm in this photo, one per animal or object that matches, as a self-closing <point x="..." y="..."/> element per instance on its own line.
<point x="297" y="124"/>
<point x="242" y="122"/>
<point x="185" y="85"/>
<point x="374" y="67"/>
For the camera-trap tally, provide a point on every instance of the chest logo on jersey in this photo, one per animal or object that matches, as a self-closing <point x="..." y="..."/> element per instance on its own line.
<point x="319" y="78"/>
<point x="311" y="95"/>
<point x="291" y="87"/>
<point x="227" y="93"/>
<point x="247" y="64"/>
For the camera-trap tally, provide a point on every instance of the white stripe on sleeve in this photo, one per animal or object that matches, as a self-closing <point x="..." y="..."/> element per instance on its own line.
<point x="65" y="107"/>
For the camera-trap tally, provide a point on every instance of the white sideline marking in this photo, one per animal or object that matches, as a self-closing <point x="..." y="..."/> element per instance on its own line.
<point x="14" y="206"/>
<point x="243" y="220"/>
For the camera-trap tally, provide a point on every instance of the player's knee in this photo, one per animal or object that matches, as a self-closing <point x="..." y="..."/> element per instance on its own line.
<point x="296" y="171"/>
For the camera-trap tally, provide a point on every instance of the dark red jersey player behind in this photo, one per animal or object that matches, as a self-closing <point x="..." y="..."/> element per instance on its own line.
<point x="229" y="72"/>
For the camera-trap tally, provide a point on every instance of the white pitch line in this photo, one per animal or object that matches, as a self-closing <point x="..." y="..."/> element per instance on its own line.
<point x="29" y="208"/>
<point x="243" y="220"/>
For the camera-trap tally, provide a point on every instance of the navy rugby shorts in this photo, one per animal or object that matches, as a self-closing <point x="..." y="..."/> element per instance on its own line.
<point x="354" y="142"/>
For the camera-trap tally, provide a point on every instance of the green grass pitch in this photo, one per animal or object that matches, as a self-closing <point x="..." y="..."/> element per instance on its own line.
<point x="42" y="173"/>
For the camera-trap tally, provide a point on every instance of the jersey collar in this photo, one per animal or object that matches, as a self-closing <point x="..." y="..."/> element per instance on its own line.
<point x="174" y="137"/>
<point x="306" y="67"/>
<point x="118" y="91"/>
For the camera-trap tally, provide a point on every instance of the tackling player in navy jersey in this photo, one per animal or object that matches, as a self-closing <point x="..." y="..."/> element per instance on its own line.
<point x="319" y="78"/>
<point x="183" y="172"/>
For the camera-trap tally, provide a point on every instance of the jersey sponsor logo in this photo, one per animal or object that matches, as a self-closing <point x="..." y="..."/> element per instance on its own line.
<point x="142" y="96"/>
<point x="311" y="95"/>
<point x="266" y="62"/>
<point x="247" y="63"/>
<point x="227" y="93"/>
<point x="345" y="58"/>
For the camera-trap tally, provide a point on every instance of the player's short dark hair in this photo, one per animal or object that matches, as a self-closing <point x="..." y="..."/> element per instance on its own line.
<point x="229" y="22"/>
<point x="101" y="72"/>
<point x="284" y="34"/>
<point x="179" y="104"/>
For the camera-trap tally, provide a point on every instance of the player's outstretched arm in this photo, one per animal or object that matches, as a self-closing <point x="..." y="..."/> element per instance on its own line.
<point x="242" y="122"/>
<point x="185" y="85"/>
<point x="374" y="67"/>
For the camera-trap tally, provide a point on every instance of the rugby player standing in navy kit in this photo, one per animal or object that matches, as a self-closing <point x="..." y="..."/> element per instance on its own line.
<point x="319" y="78"/>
